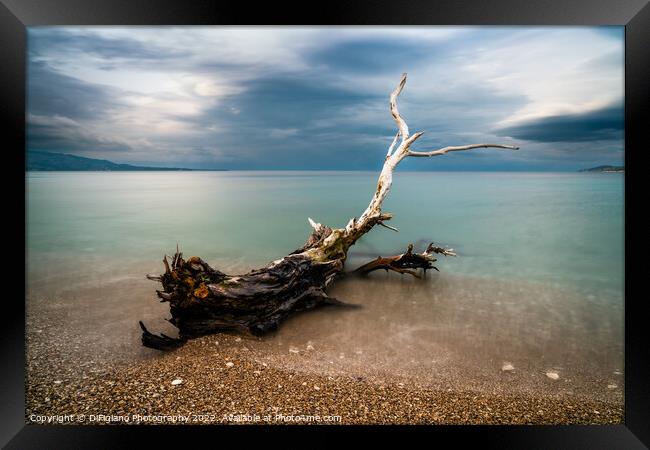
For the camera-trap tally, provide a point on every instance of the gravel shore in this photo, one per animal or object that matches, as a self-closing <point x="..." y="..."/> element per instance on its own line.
<point x="226" y="379"/>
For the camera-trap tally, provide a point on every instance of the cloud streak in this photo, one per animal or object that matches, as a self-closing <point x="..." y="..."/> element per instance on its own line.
<point x="605" y="124"/>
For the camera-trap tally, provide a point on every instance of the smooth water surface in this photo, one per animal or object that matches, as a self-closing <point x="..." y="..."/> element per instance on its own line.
<point x="538" y="281"/>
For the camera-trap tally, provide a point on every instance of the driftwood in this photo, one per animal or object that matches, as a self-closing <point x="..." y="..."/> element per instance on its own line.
<point x="204" y="300"/>
<point x="407" y="262"/>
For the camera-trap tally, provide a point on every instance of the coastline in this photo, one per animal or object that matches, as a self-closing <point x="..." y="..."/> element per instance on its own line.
<point x="252" y="391"/>
<point x="438" y="360"/>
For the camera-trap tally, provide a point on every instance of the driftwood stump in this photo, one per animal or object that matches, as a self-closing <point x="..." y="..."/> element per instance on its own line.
<point x="204" y="300"/>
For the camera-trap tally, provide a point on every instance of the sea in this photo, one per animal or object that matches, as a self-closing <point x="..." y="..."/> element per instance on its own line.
<point x="537" y="285"/>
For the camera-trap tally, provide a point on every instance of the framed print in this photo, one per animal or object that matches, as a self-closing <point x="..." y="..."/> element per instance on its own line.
<point x="385" y="214"/>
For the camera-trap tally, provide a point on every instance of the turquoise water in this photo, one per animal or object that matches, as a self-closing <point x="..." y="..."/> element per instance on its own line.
<point x="538" y="281"/>
<point x="560" y="228"/>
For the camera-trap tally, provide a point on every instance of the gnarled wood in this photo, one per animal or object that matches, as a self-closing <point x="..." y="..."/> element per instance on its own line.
<point x="408" y="262"/>
<point x="204" y="300"/>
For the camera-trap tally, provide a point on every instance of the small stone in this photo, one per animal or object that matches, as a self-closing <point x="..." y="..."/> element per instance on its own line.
<point x="257" y="372"/>
<point x="552" y="375"/>
<point x="176" y="382"/>
<point x="156" y="394"/>
<point x="230" y="364"/>
<point x="58" y="381"/>
<point x="317" y="388"/>
<point x="310" y="346"/>
<point x="293" y="350"/>
<point x="612" y="386"/>
<point x="304" y="383"/>
<point x="238" y="339"/>
<point x="507" y="367"/>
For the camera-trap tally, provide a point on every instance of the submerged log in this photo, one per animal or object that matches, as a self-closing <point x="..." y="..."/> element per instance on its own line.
<point x="204" y="300"/>
<point x="408" y="262"/>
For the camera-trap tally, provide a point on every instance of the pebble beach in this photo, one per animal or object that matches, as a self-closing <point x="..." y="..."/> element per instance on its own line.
<point x="224" y="379"/>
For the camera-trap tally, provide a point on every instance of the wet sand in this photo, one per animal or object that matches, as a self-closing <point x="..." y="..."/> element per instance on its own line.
<point x="447" y="350"/>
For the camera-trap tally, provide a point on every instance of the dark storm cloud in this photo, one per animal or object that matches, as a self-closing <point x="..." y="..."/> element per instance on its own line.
<point x="302" y="122"/>
<point x="50" y="92"/>
<point x="62" y="108"/>
<point x="318" y="106"/>
<point x="602" y="124"/>
<point x="291" y="102"/>
<point x="58" y="135"/>
<point x="377" y="55"/>
<point x="288" y="122"/>
<point x="456" y="110"/>
<point x="47" y="41"/>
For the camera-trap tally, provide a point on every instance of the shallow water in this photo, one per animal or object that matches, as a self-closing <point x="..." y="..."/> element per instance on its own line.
<point x="537" y="283"/>
<point x="460" y="332"/>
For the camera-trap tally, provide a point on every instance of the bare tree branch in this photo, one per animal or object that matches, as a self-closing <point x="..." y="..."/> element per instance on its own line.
<point x="393" y="158"/>
<point x="314" y="225"/>
<point x="401" y="124"/>
<point x="407" y="262"/>
<point x="441" y="250"/>
<point x="388" y="226"/>
<point x="392" y="145"/>
<point x="459" y="148"/>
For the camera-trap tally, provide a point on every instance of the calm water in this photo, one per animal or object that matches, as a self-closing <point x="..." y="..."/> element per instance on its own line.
<point x="538" y="279"/>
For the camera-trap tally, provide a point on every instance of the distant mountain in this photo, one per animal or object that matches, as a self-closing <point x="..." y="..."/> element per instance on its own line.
<point x="605" y="169"/>
<point x="46" y="161"/>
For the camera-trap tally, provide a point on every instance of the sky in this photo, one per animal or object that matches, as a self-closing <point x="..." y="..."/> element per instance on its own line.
<point x="316" y="98"/>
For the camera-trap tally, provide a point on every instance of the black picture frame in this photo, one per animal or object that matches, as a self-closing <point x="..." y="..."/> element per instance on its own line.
<point x="16" y="15"/>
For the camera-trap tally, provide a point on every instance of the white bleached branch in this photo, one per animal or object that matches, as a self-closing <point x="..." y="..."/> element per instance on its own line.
<point x="401" y="123"/>
<point x="389" y="227"/>
<point x="371" y="216"/>
<point x="314" y="225"/>
<point x="445" y="150"/>
<point x="431" y="249"/>
<point x="350" y="226"/>
<point x="339" y="240"/>
<point x="392" y="145"/>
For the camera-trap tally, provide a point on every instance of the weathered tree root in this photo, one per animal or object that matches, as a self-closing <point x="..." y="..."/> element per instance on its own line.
<point x="162" y="342"/>
<point x="204" y="300"/>
<point x="408" y="262"/>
